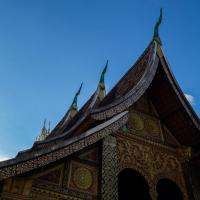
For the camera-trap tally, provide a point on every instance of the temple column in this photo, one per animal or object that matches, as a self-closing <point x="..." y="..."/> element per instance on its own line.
<point x="109" y="190"/>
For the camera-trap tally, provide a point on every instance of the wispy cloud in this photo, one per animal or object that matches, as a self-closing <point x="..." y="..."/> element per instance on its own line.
<point x="2" y="158"/>
<point x="190" y="98"/>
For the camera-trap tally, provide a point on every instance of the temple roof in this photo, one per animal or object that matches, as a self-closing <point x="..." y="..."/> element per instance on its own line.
<point x="98" y="118"/>
<point x="136" y="77"/>
<point x="50" y="153"/>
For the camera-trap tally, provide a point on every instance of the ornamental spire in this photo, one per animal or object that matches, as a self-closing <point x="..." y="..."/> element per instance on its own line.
<point x="49" y="128"/>
<point x="101" y="87"/>
<point x="101" y="81"/>
<point x="44" y="132"/>
<point x="74" y="103"/>
<point x="156" y="28"/>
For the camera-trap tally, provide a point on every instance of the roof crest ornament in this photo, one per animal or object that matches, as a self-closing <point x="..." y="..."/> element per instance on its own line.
<point x="44" y="124"/>
<point x="49" y="128"/>
<point x="74" y="103"/>
<point x="73" y="108"/>
<point x="101" y="81"/>
<point x="156" y="28"/>
<point x="101" y="86"/>
<point x="44" y="132"/>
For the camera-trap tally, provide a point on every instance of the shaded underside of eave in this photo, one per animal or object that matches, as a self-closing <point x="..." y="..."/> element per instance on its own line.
<point x="196" y="162"/>
<point x="173" y="108"/>
<point x="169" y="100"/>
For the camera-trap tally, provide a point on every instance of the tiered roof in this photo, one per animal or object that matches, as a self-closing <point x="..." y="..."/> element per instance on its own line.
<point x="101" y="116"/>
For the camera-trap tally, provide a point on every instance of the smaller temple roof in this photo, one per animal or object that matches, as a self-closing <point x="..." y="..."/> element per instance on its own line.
<point x="72" y="111"/>
<point x="69" y="124"/>
<point x="47" y="154"/>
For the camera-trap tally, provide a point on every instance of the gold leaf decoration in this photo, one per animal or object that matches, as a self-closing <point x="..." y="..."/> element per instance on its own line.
<point x="82" y="178"/>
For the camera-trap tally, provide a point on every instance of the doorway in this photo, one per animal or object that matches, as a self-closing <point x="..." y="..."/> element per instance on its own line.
<point x="132" y="185"/>
<point x="167" y="189"/>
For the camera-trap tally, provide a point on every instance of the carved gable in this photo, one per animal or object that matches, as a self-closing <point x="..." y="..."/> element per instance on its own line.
<point x="83" y="177"/>
<point x="90" y="155"/>
<point x="145" y="105"/>
<point x="143" y="120"/>
<point x="53" y="176"/>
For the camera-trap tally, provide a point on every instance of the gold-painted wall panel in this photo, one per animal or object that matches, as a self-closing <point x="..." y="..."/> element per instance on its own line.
<point x="153" y="161"/>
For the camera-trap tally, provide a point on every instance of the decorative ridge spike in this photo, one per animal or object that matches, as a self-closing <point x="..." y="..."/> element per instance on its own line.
<point x="74" y="103"/>
<point x="44" y="132"/>
<point x="49" y="128"/>
<point x="101" y="81"/>
<point x="44" y="124"/>
<point x="101" y="86"/>
<point x="73" y="108"/>
<point x="156" y="28"/>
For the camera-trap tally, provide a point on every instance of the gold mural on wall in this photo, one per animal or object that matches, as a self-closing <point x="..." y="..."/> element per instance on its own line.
<point x="137" y="122"/>
<point x="153" y="161"/>
<point x="152" y="126"/>
<point x="83" y="177"/>
<point x="144" y="125"/>
<point x="144" y="121"/>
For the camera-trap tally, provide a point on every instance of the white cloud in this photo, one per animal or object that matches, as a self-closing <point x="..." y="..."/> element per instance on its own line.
<point x="190" y="98"/>
<point x="2" y="158"/>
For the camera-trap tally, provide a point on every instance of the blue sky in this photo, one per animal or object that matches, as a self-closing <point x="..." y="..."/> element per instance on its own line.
<point x="48" y="47"/>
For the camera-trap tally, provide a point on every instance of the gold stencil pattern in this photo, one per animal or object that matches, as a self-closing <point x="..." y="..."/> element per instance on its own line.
<point x="82" y="178"/>
<point x="144" y="125"/>
<point x="152" y="126"/>
<point x="136" y="121"/>
<point x="152" y="161"/>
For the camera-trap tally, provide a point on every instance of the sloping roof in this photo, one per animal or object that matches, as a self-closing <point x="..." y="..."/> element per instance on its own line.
<point x="89" y="107"/>
<point x="77" y="119"/>
<point x="173" y="107"/>
<point x="48" y="154"/>
<point x="60" y="141"/>
<point x="156" y="79"/>
<point x="69" y="125"/>
<point x="131" y="87"/>
<point x="150" y="74"/>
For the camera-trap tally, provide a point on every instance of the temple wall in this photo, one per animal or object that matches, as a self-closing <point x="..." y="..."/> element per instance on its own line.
<point x="147" y="146"/>
<point x="153" y="161"/>
<point x="72" y="179"/>
<point x="144" y="145"/>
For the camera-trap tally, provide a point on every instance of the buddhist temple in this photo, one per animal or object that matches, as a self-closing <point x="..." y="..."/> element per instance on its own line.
<point x="140" y="141"/>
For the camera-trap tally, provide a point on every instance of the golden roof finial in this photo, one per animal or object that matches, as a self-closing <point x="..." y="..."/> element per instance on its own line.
<point x="44" y="132"/>
<point x="101" y="85"/>
<point x="49" y="128"/>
